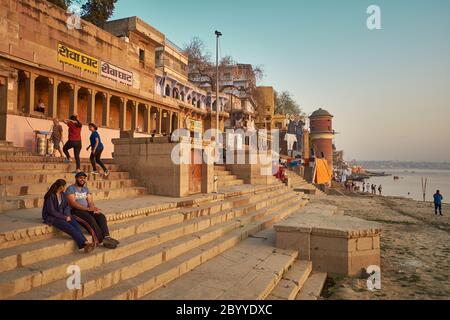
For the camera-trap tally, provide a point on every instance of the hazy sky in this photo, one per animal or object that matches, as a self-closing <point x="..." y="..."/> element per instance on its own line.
<point x="389" y="89"/>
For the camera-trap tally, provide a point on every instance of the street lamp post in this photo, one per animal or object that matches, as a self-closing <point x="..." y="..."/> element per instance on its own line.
<point x="218" y="35"/>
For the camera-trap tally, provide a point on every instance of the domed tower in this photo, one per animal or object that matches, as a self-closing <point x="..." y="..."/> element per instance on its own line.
<point x="322" y="134"/>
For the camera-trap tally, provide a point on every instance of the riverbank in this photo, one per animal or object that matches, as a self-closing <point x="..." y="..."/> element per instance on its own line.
<point x="415" y="250"/>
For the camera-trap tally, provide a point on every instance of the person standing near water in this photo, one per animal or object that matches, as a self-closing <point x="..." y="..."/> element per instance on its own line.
<point x="438" y="203"/>
<point x="380" y="190"/>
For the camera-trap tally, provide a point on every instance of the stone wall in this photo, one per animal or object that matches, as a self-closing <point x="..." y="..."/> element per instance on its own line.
<point x="149" y="160"/>
<point x="32" y="29"/>
<point x="335" y="244"/>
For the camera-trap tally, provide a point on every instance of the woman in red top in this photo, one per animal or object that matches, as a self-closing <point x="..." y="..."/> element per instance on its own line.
<point x="74" y="141"/>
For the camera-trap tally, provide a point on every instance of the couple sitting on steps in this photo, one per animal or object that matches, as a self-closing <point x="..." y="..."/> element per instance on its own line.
<point x="67" y="209"/>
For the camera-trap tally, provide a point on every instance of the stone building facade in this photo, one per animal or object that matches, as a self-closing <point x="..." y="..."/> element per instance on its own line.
<point x="265" y="110"/>
<point x="128" y="77"/>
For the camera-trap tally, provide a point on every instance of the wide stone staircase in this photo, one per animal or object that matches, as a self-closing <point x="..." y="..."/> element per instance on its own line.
<point x="25" y="178"/>
<point x="164" y="241"/>
<point x="298" y="183"/>
<point x="161" y="238"/>
<point x="252" y="270"/>
<point x="225" y="178"/>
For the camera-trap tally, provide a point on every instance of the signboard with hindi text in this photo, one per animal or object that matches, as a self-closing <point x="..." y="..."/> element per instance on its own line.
<point x="117" y="74"/>
<point x="195" y="126"/>
<point x="77" y="59"/>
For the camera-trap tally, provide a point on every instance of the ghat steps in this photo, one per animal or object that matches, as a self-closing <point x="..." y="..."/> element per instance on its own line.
<point x="161" y="238"/>
<point x="24" y="180"/>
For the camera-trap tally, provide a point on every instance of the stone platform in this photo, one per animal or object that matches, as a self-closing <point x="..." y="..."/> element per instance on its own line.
<point x="334" y="243"/>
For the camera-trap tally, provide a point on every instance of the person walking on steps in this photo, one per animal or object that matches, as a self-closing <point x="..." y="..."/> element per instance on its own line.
<point x="56" y="213"/>
<point x="56" y="138"/>
<point x="74" y="141"/>
<point x="82" y="203"/>
<point x="438" y="203"/>
<point x="96" y="147"/>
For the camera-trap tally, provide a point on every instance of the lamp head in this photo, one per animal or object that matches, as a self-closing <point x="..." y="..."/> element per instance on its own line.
<point x="218" y="33"/>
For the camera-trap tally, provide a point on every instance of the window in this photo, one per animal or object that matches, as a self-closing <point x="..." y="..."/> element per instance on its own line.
<point x="158" y="58"/>
<point x="141" y="55"/>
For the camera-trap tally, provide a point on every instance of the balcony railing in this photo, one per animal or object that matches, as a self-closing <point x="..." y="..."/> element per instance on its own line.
<point x="174" y="46"/>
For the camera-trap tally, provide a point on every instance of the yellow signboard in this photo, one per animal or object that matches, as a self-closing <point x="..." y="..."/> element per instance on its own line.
<point x="195" y="126"/>
<point x="77" y="59"/>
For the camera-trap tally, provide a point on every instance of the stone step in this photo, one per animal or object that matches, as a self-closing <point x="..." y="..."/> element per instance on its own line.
<point x="30" y="158"/>
<point x="223" y="184"/>
<point x="42" y="188"/>
<point x="37" y="201"/>
<point x="10" y="148"/>
<point x="135" y="249"/>
<point x="313" y="287"/>
<point x="23" y="227"/>
<point x="227" y="178"/>
<point x="45" y="249"/>
<point x="222" y="173"/>
<point x="49" y="167"/>
<point x="292" y="281"/>
<point x="5" y="143"/>
<point x="150" y="280"/>
<point x="8" y="152"/>
<point x="33" y="177"/>
<point x="13" y="256"/>
<point x="220" y="168"/>
<point x="248" y="271"/>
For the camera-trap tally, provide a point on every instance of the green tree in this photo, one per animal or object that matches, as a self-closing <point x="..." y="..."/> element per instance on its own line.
<point x="61" y="3"/>
<point x="98" y="11"/>
<point x="285" y="103"/>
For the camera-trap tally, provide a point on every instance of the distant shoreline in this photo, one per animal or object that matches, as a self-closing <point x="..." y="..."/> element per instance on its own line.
<point x="401" y="165"/>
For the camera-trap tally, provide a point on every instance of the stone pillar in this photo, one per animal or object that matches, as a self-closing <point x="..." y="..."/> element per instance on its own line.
<point x="147" y="119"/>
<point x="160" y="111"/>
<point x="53" y="98"/>
<point x="3" y="107"/>
<point x="106" y="108"/>
<point x="134" y="116"/>
<point x="91" y="106"/>
<point x="123" y="114"/>
<point x="73" y="102"/>
<point x="30" y="87"/>
<point x="170" y="113"/>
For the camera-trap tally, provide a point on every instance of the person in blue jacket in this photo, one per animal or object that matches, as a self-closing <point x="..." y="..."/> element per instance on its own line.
<point x="438" y="203"/>
<point x="96" y="147"/>
<point x="57" y="213"/>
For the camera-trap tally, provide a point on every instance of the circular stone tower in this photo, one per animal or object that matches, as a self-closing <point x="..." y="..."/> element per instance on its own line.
<point x="322" y="134"/>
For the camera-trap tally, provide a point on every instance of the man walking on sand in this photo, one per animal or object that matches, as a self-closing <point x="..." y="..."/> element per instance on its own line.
<point x="438" y="203"/>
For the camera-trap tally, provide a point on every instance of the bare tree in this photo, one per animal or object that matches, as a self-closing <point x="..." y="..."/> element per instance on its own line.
<point x="202" y="69"/>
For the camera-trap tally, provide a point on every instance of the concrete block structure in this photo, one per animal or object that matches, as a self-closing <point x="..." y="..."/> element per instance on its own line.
<point x="150" y="161"/>
<point x="335" y="244"/>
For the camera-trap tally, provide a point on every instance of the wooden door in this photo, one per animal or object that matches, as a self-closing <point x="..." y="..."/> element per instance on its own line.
<point x="195" y="173"/>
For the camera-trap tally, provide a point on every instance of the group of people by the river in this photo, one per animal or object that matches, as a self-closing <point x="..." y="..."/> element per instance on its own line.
<point x="365" y="188"/>
<point x="70" y="208"/>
